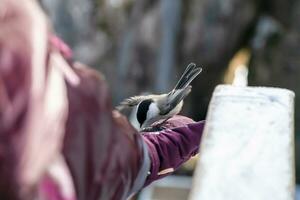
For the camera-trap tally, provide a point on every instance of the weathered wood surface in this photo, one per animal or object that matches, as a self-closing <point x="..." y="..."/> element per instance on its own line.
<point x="248" y="147"/>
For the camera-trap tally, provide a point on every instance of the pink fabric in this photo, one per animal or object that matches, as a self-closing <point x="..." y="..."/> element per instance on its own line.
<point x="48" y="189"/>
<point x="29" y="118"/>
<point x="61" y="46"/>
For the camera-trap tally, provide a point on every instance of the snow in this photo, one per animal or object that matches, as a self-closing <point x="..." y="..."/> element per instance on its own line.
<point x="247" y="151"/>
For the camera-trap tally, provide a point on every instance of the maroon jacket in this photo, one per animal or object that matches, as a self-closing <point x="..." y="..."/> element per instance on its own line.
<point x="59" y="138"/>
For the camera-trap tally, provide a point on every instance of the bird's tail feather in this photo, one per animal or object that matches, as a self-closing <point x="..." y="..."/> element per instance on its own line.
<point x="182" y="88"/>
<point x="188" y="75"/>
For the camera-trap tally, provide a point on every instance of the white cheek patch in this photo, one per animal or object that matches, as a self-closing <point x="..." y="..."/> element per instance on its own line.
<point x="133" y="119"/>
<point x="153" y="111"/>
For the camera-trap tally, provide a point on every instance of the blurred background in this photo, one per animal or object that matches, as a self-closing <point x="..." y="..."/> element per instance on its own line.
<point x="144" y="45"/>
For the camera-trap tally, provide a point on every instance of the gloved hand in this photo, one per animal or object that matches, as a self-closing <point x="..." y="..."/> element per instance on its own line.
<point x="170" y="148"/>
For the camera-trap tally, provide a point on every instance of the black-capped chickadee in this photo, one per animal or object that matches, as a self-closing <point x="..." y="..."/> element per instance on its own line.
<point x="154" y="108"/>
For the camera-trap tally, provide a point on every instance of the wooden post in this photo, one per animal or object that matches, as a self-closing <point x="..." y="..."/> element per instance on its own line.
<point x="247" y="151"/>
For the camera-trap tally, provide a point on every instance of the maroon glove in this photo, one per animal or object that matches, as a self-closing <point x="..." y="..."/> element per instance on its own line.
<point x="171" y="147"/>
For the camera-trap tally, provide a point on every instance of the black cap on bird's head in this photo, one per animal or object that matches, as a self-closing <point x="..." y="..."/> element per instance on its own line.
<point x="142" y="110"/>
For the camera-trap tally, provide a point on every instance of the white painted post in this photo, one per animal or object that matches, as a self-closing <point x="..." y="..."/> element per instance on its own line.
<point x="247" y="151"/>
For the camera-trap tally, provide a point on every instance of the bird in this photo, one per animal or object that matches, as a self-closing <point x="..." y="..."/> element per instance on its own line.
<point x="153" y="108"/>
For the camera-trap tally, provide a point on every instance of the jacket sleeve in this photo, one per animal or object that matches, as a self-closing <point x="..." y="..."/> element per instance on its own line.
<point x="106" y="156"/>
<point x="170" y="148"/>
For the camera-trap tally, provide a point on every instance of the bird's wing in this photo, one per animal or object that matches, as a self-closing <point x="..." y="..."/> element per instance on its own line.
<point x="174" y="98"/>
<point x="181" y="89"/>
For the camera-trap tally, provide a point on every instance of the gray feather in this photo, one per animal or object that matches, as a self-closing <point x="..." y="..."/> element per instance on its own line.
<point x="181" y="89"/>
<point x="130" y="102"/>
<point x="188" y="76"/>
<point x="174" y="98"/>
